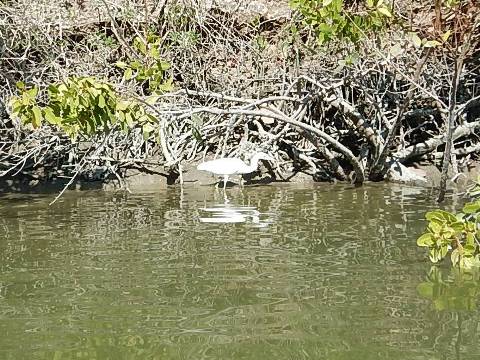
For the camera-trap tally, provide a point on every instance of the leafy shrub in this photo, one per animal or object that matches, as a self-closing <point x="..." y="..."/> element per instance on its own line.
<point x="81" y="106"/>
<point x="454" y="234"/>
<point x="151" y="70"/>
<point x="330" y="19"/>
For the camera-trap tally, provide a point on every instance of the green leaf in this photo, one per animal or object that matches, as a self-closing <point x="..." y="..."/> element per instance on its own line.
<point x="470" y="226"/>
<point x="457" y="226"/>
<point x="147" y="130"/>
<point x="140" y="45"/>
<point x="470" y="239"/>
<point x="37" y="117"/>
<point x="443" y="251"/>
<point x="384" y="11"/>
<point x="18" y="108"/>
<point x="149" y="72"/>
<point x="101" y="101"/>
<point x="470" y="249"/>
<point x="122" y="105"/>
<point x="469" y="262"/>
<point x="431" y="43"/>
<point x="448" y="232"/>
<point x="152" y="85"/>
<point x="164" y="65"/>
<point x="51" y="117"/>
<point x="129" y="119"/>
<point x="446" y="35"/>
<point x="440" y="216"/>
<point x="52" y="90"/>
<point x="455" y="257"/>
<point x="15" y="101"/>
<point x="472" y="207"/>
<point x="434" y="216"/>
<point x="197" y="134"/>
<point x="150" y="118"/>
<point x="425" y="240"/>
<point x="325" y="28"/>
<point x="121" y="64"/>
<point x="20" y="85"/>
<point x="436" y="228"/>
<point x="153" y="52"/>
<point x="135" y="64"/>
<point x="32" y="92"/>
<point x="128" y="74"/>
<point x="62" y="88"/>
<point x="326" y="2"/>
<point x="152" y="100"/>
<point x="121" y="116"/>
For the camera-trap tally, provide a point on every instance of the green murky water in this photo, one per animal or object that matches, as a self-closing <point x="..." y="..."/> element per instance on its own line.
<point x="280" y="272"/>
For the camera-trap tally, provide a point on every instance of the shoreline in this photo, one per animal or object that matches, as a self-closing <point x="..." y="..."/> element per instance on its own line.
<point x="136" y="180"/>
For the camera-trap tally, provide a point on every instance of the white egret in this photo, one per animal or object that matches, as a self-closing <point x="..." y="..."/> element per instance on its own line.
<point x="233" y="166"/>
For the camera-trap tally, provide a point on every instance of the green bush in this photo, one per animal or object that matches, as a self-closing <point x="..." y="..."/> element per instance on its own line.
<point x="454" y="234"/>
<point x="330" y="19"/>
<point x="150" y="69"/>
<point x="81" y="106"/>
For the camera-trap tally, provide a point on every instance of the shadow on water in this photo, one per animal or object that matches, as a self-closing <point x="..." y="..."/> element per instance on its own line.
<point x="279" y="272"/>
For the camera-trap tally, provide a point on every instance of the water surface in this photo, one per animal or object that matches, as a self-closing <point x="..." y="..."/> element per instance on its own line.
<point x="279" y="272"/>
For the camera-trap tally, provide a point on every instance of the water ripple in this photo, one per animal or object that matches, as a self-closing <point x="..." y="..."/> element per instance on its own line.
<point x="279" y="272"/>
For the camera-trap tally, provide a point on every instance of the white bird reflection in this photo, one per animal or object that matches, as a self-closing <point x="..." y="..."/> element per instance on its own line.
<point x="229" y="214"/>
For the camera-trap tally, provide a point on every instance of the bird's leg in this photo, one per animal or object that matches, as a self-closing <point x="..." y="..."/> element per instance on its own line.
<point x="242" y="181"/>
<point x="225" y="180"/>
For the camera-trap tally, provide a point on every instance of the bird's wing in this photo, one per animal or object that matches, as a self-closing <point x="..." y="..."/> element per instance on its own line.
<point x="225" y="166"/>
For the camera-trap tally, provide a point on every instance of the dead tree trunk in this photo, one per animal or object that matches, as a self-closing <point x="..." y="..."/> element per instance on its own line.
<point x="452" y="111"/>
<point x="452" y="116"/>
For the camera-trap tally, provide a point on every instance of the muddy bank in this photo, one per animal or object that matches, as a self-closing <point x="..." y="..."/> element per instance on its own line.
<point x="136" y="180"/>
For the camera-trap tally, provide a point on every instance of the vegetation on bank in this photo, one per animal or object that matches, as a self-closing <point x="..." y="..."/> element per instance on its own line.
<point x="452" y="239"/>
<point x="81" y="107"/>
<point x="340" y="91"/>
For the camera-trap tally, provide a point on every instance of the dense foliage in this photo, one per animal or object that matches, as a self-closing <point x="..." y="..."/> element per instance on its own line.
<point x="455" y="234"/>
<point x="81" y="106"/>
<point x="86" y="106"/>
<point x="149" y="69"/>
<point x="333" y="19"/>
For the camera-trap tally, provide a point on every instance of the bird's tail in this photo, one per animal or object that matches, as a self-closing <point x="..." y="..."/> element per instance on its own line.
<point x="201" y="166"/>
